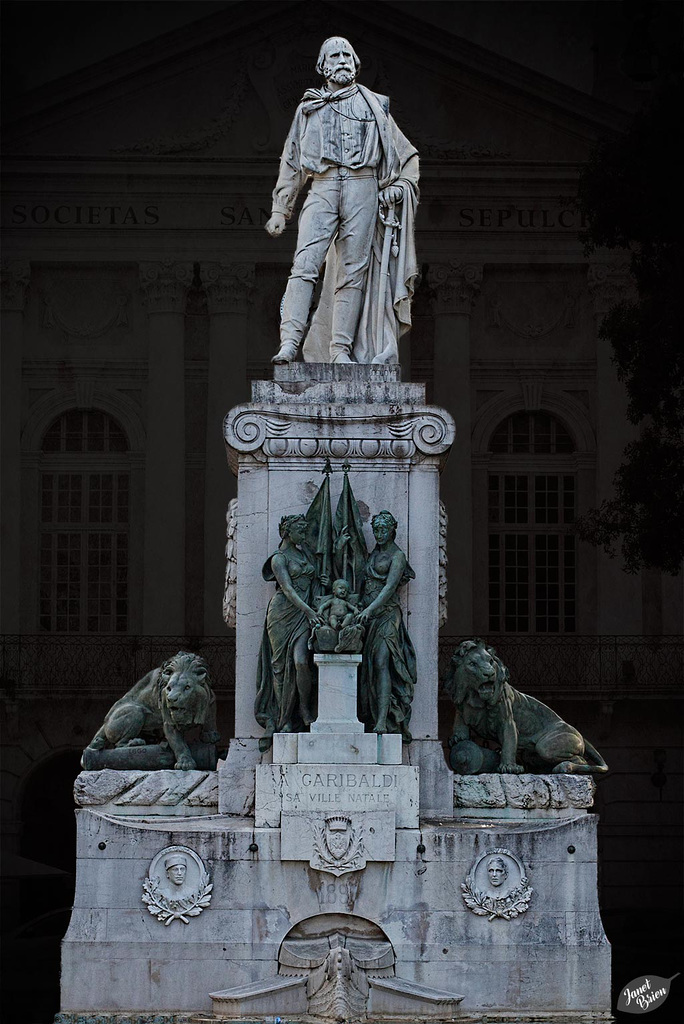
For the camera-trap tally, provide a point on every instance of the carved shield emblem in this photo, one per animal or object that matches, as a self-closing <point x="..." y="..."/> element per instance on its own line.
<point x="338" y="845"/>
<point x="338" y="835"/>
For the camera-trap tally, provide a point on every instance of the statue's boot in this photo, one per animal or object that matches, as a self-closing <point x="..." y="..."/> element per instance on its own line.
<point x="346" y="314"/>
<point x="295" y="316"/>
<point x="287" y="353"/>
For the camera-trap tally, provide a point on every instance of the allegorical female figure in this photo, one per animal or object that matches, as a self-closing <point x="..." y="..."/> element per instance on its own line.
<point x="285" y="673"/>
<point x="388" y="669"/>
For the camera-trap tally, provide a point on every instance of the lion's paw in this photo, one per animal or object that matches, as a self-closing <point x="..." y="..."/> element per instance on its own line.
<point x="511" y="769"/>
<point x="185" y="764"/>
<point x="568" y="768"/>
<point x="137" y="742"/>
<point x="211" y="736"/>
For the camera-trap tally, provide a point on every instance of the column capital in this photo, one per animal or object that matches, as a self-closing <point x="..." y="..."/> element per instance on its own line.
<point x="165" y="285"/>
<point x="455" y="286"/>
<point x="229" y="286"/>
<point x="609" y="282"/>
<point x="15" y="276"/>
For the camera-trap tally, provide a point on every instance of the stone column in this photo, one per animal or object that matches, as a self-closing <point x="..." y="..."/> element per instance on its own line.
<point x="165" y="287"/>
<point x="455" y="287"/>
<point x="619" y="594"/>
<point x="229" y="288"/>
<point x="15" y="278"/>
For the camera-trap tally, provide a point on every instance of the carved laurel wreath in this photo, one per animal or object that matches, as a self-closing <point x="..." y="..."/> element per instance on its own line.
<point x="167" y="910"/>
<point x="513" y="904"/>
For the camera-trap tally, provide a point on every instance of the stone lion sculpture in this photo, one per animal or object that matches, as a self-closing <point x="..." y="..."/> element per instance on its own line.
<point x="532" y="737"/>
<point x="164" y="704"/>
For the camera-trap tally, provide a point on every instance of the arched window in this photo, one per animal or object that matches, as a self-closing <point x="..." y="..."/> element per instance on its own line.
<point x="84" y="525"/>
<point x="531" y="509"/>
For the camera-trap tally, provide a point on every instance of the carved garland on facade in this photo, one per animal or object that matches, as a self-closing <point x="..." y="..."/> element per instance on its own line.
<point x="87" y="329"/>
<point x="541" y="327"/>
<point x="504" y="894"/>
<point x="443" y="563"/>
<point x="230" y="585"/>
<point x="435" y="147"/>
<point x="207" y="134"/>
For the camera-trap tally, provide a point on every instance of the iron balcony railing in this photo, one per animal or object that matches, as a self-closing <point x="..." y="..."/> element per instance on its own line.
<point x="567" y="667"/>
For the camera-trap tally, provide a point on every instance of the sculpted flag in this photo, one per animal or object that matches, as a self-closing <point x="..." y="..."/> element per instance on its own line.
<point x="351" y="564"/>
<point x="319" y="538"/>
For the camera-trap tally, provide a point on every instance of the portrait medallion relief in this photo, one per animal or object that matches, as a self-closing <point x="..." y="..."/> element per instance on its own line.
<point x="338" y="845"/>
<point x="496" y="886"/>
<point x="177" y="886"/>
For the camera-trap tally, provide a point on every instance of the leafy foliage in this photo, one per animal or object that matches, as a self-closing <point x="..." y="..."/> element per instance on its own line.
<point x="629" y="193"/>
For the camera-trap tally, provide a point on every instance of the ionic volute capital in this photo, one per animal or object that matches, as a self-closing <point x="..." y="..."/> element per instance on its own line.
<point x="229" y="286"/>
<point x="15" y="276"/>
<point x="165" y="285"/>
<point x="455" y="286"/>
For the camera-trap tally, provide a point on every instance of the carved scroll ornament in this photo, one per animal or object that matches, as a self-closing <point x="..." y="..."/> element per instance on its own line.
<point x="293" y="433"/>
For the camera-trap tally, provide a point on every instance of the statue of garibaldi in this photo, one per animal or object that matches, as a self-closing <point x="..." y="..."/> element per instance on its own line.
<point x="357" y="219"/>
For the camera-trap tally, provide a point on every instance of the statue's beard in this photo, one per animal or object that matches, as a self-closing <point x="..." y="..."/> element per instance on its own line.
<point x="341" y="76"/>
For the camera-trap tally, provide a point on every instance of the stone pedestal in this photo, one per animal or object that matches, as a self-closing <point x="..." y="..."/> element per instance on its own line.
<point x="395" y="446"/>
<point x="424" y="913"/>
<point x="340" y="873"/>
<point x="337" y="693"/>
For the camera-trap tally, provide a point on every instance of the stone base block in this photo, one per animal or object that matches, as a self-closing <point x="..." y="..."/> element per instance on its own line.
<point x="337" y="748"/>
<point x="390" y="748"/>
<point x="404" y="999"/>
<point x="436" y="785"/>
<point x="260" y="998"/>
<point x="386" y="998"/>
<point x="357" y="748"/>
<point x="236" y="776"/>
<point x="453" y="925"/>
<point x="285" y="747"/>
<point x="148" y="792"/>
<point x="522" y="796"/>
<point x="337" y="693"/>
<point x="336" y="787"/>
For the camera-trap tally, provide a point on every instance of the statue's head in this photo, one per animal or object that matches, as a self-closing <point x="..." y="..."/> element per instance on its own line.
<point x="497" y="871"/>
<point x="337" y="61"/>
<point x="293" y="527"/>
<point x="384" y="525"/>
<point x="176" y="866"/>
<point x="340" y="588"/>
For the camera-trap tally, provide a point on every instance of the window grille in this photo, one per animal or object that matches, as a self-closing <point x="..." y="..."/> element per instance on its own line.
<point x="532" y="585"/>
<point x="84" y="526"/>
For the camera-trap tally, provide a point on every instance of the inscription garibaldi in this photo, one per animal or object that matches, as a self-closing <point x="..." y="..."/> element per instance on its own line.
<point x="358" y="219"/>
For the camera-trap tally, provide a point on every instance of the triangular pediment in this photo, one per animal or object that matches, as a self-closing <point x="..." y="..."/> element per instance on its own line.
<point x="227" y="87"/>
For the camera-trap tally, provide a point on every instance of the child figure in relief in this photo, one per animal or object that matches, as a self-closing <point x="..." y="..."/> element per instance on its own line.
<point x="336" y="610"/>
